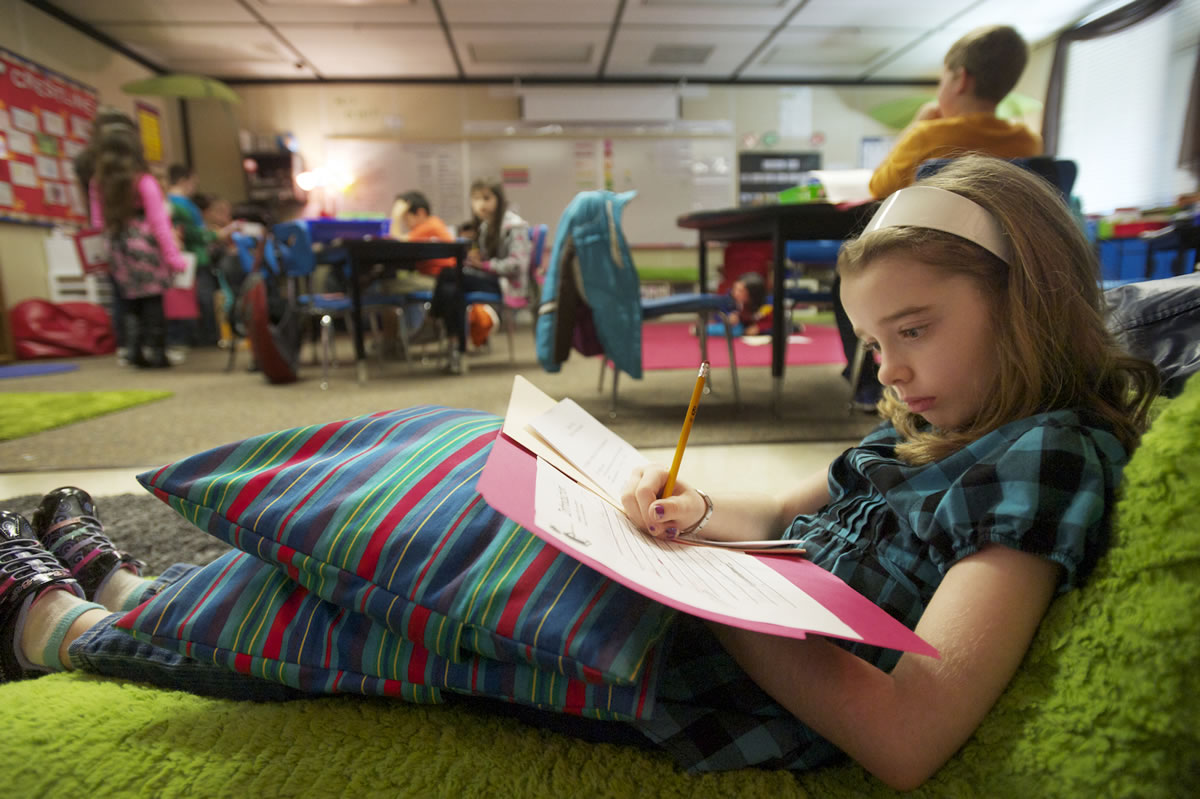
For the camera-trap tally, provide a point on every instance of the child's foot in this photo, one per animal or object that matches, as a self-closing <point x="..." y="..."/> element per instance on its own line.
<point x="68" y="525"/>
<point x="27" y="571"/>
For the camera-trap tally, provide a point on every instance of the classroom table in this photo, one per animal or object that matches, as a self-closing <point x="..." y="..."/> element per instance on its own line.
<point x="362" y="254"/>
<point x="778" y="224"/>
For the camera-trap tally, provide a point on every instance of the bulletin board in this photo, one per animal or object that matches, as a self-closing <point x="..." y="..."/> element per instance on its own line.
<point x="45" y="121"/>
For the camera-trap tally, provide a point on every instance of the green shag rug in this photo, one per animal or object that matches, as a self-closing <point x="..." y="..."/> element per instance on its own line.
<point x="27" y="412"/>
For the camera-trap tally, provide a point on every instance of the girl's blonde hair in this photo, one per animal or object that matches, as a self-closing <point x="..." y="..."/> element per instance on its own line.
<point x="1052" y="349"/>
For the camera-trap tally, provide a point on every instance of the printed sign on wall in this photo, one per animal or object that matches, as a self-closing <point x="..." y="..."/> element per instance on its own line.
<point x="45" y="121"/>
<point x="151" y="132"/>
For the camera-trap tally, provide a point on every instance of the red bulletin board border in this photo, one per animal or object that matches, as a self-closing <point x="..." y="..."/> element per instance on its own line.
<point x="45" y="121"/>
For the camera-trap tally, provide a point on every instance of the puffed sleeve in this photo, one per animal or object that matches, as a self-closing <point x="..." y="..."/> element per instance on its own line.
<point x="1049" y="492"/>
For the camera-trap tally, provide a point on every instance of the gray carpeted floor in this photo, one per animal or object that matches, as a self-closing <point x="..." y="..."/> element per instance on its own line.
<point x="145" y="527"/>
<point x="212" y="407"/>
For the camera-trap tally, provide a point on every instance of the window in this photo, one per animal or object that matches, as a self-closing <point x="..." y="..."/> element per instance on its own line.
<point x="1124" y="97"/>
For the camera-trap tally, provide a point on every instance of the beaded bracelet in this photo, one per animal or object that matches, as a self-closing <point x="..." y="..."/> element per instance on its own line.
<point x="708" y="512"/>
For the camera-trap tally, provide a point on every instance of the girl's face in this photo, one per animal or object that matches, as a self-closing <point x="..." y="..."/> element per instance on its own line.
<point x="932" y="333"/>
<point x="740" y="295"/>
<point x="483" y="203"/>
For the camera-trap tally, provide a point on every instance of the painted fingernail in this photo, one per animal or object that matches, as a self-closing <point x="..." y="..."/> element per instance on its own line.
<point x="660" y="511"/>
<point x="672" y="532"/>
<point x="653" y="529"/>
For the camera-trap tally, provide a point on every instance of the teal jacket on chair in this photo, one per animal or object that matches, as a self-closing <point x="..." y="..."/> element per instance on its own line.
<point x="591" y="267"/>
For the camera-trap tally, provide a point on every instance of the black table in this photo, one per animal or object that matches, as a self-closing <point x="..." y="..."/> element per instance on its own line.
<point x="362" y="254"/>
<point x="779" y="224"/>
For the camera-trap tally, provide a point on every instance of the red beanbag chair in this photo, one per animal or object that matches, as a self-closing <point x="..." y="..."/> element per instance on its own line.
<point x="44" y="329"/>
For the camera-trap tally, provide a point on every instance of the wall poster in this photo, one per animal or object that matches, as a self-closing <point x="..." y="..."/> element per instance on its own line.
<point x="45" y="121"/>
<point x="148" y="120"/>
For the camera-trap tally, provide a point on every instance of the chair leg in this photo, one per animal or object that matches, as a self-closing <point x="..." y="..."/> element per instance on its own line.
<point x="402" y="333"/>
<point x="603" y="364"/>
<point x="376" y="336"/>
<point x="327" y="348"/>
<point x="510" y="325"/>
<point x="702" y="330"/>
<point x="856" y="370"/>
<point x="612" y="405"/>
<point x="737" y="389"/>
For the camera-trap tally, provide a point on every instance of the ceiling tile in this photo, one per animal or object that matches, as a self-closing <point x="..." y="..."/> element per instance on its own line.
<point x="471" y="39"/>
<point x="349" y="51"/>
<point x="346" y="11"/>
<point x="162" y="11"/>
<point x="1035" y="21"/>
<point x="922" y="14"/>
<point x="634" y="46"/>
<point x="723" y="13"/>
<point x="826" y="53"/>
<point x="245" y="69"/>
<point x="530" y="12"/>
<point x="170" y="43"/>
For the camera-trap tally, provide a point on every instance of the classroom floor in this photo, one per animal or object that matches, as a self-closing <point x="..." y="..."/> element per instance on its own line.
<point x="744" y="467"/>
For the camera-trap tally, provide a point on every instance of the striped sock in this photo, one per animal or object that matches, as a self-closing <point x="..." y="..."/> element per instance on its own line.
<point x="44" y="624"/>
<point x="121" y="590"/>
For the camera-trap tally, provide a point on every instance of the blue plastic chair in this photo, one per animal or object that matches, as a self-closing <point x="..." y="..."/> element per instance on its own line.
<point x="293" y="248"/>
<point x="703" y="305"/>
<point x="253" y="254"/>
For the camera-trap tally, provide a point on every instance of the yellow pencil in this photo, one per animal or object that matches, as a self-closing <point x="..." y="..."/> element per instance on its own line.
<point x="687" y="429"/>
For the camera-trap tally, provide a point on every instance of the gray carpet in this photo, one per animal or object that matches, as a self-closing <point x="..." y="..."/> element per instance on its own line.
<point x="212" y="407"/>
<point x="145" y="527"/>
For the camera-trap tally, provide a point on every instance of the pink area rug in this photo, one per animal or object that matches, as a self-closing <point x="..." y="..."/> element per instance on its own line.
<point x="670" y="345"/>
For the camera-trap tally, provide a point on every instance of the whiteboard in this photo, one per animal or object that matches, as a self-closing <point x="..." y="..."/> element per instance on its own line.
<point x="672" y="176"/>
<point x="383" y="168"/>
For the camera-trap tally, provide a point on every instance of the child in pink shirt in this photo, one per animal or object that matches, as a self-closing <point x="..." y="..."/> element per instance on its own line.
<point x="129" y="203"/>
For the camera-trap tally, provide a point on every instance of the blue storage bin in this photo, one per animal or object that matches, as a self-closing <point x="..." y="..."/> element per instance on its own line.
<point x="324" y="231"/>
<point x="1133" y="259"/>
<point x="820" y="251"/>
<point x="1110" y="260"/>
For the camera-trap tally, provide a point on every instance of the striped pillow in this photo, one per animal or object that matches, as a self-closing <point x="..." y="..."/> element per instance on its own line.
<point x="380" y="515"/>
<point x="250" y="617"/>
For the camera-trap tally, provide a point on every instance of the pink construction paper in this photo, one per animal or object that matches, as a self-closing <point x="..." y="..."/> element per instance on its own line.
<point x="507" y="484"/>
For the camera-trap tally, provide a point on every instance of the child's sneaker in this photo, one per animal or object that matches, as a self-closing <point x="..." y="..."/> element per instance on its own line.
<point x="68" y="525"/>
<point x="27" y="570"/>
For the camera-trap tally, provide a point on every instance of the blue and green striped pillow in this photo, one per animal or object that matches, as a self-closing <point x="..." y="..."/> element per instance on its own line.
<point x="380" y="515"/>
<point x="250" y="617"/>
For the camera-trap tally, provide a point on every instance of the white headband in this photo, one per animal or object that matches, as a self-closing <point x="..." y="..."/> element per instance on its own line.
<point x="925" y="206"/>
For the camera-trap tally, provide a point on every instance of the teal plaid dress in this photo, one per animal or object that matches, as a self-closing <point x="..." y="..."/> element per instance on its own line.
<point x="1043" y="485"/>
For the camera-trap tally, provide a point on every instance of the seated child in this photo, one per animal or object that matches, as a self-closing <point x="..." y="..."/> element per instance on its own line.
<point x="752" y="314"/>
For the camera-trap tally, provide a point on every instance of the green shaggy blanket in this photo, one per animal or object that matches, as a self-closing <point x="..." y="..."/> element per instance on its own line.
<point x="1106" y="704"/>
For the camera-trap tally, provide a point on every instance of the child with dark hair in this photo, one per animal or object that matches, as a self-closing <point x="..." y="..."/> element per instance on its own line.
<point x="145" y="254"/>
<point x="499" y="264"/>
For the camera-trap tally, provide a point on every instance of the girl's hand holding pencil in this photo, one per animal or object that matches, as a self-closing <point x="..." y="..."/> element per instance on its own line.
<point x="666" y="519"/>
<point x="661" y="517"/>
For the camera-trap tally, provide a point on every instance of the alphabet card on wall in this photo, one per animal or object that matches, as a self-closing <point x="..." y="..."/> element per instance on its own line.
<point x="45" y="121"/>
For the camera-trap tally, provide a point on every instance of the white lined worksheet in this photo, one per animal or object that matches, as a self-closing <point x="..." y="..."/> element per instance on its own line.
<point x="602" y="455"/>
<point x="708" y="579"/>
